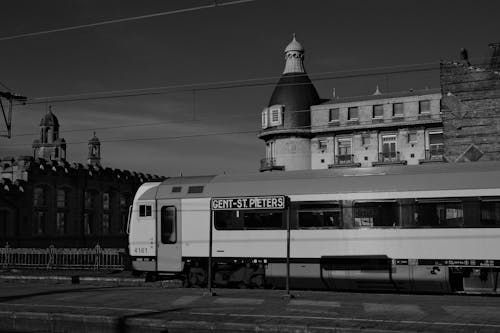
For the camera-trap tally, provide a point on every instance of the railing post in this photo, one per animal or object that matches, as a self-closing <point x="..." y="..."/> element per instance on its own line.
<point x="97" y="257"/>
<point x="51" y="253"/>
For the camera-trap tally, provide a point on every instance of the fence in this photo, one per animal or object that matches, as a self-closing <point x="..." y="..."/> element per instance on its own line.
<point x="63" y="258"/>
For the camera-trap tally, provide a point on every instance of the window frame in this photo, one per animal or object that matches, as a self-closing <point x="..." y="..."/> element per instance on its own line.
<point x="375" y="108"/>
<point x="332" y="112"/>
<point x="350" y="110"/>
<point x="422" y="110"/>
<point x="395" y="107"/>
<point x="174" y="228"/>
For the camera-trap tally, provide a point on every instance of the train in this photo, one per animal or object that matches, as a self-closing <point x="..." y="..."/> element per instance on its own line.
<point x="432" y="228"/>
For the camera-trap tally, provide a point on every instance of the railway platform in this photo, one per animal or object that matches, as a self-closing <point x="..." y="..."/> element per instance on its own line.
<point x="45" y="305"/>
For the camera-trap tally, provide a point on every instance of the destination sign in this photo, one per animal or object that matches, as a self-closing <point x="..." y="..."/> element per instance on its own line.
<point x="267" y="202"/>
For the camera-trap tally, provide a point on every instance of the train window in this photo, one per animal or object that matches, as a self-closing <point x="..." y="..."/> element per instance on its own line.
<point x="176" y="189"/>
<point x="144" y="210"/>
<point x="439" y="214"/>
<point x="195" y="189"/>
<point x="319" y="216"/>
<point x="168" y="225"/>
<point x="376" y="214"/>
<point x="248" y="219"/>
<point x="490" y="213"/>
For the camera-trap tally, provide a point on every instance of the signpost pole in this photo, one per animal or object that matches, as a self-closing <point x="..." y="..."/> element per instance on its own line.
<point x="210" y="292"/>
<point x="288" y="294"/>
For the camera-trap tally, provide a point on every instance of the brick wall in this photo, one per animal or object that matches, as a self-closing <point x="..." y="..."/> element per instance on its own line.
<point x="471" y="112"/>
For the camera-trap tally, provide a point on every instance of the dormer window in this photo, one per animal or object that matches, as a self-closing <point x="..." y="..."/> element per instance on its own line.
<point x="275" y="115"/>
<point x="264" y="118"/>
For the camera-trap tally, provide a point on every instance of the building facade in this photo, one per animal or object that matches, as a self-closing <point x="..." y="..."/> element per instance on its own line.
<point x="460" y="121"/>
<point x="48" y="201"/>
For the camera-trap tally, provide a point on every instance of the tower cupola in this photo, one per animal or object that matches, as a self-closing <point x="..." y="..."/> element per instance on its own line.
<point x="49" y="146"/>
<point x="294" y="57"/>
<point x="94" y="157"/>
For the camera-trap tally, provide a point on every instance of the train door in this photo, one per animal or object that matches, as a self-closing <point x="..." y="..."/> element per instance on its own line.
<point x="168" y="224"/>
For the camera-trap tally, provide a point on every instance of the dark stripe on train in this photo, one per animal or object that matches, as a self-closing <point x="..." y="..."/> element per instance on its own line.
<point x="370" y="262"/>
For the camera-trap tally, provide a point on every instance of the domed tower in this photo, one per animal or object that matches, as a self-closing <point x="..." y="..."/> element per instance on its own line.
<point x="94" y="157"/>
<point x="286" y="120"/>
<point x="49" y="146"/>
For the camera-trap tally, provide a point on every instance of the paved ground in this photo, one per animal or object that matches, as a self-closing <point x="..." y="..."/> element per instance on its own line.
<point x="91" y="306"/>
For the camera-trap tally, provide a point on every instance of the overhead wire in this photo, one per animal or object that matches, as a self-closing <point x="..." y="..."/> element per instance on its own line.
<point x="127" y="19"/>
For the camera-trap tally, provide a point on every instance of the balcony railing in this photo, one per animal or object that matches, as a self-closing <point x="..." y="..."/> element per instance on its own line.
<point x="391" y="157"/>
<point x="346" y="160"/>
<point x="269" y="164"/>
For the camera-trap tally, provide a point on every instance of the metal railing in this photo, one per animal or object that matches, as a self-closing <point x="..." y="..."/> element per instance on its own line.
<point x="436" y="153"/>
<point x="269" y="163"/>
<point x="392" y="156"/>
<point x="344" y="159"/>
<point x="63" y="258"/>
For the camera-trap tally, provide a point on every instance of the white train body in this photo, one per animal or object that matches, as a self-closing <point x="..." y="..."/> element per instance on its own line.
<point x="432" y="228"/>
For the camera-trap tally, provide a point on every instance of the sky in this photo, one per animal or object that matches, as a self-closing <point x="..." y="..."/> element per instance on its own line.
<point x="192" y="130"/>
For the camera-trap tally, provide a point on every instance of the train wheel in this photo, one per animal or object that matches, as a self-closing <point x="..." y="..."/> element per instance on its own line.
<point x="151" y="277"/>
<point x="258" y="281"/>
<point x="197" y="277"/>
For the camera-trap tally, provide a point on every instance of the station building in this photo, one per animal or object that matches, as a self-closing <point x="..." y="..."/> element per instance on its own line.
<point x="45" y="200"/>
<point x="302" y="131"/>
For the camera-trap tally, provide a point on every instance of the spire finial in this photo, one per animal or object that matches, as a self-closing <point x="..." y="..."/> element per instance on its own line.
<point x="377" y="91"/>
<point x="294" y="35"/>
<point x="94" y="133"/>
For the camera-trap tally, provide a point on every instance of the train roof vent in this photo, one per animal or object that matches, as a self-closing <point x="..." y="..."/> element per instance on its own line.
<point x="176" y="189"/>
<point x="195" y="189"/>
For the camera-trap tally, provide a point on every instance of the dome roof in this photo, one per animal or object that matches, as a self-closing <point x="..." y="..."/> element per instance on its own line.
<point x="94" y="139"/>
<point x="294" y="46"/>
<point x="49" y="119"/>
<point x="297" y="93"/>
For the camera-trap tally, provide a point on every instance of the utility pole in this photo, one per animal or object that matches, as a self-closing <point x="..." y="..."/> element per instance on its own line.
<point x="7" y="114"/>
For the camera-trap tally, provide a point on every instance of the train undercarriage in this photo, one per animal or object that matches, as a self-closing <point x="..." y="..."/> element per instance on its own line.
<point x="341" y="274"/>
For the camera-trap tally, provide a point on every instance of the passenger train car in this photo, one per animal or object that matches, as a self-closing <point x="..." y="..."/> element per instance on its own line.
<point x="425" y="228"/>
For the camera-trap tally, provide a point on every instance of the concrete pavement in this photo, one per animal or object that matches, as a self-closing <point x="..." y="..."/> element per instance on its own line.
<point x="93" y="307"/>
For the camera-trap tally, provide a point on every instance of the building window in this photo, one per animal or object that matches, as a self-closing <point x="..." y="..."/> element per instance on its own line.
<point x="412" y="137"/>
<point x="39" y="221"/>
<point x="89" y="199"/>
<point x="105" y="201"/>
<point x="398" y="110"/>
<point x="389" y="151"/>
<point x="61" y="223"/>
<point x="124" y="201"/>
<point x="334" y="114"/>
<point x="39" y="199"/>
<point x="436" y="145"/>
<point x="378" y="111"/>
<point x="424" y="106"/>
<point x="105" y="223"/>
<point x="88" y="223"/>
<point x="352" y="113"/>
<point x="3" y="223"/>
<point x="344" y="151"/>
<point x="62" y="198"/>
<point x="322" y="144"/>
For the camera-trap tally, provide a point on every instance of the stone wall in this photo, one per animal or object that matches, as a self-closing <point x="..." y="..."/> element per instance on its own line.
<point x="471" y="112"/>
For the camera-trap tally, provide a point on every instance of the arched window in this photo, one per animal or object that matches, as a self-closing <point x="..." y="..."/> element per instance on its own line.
<point x="39" y="196"/>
